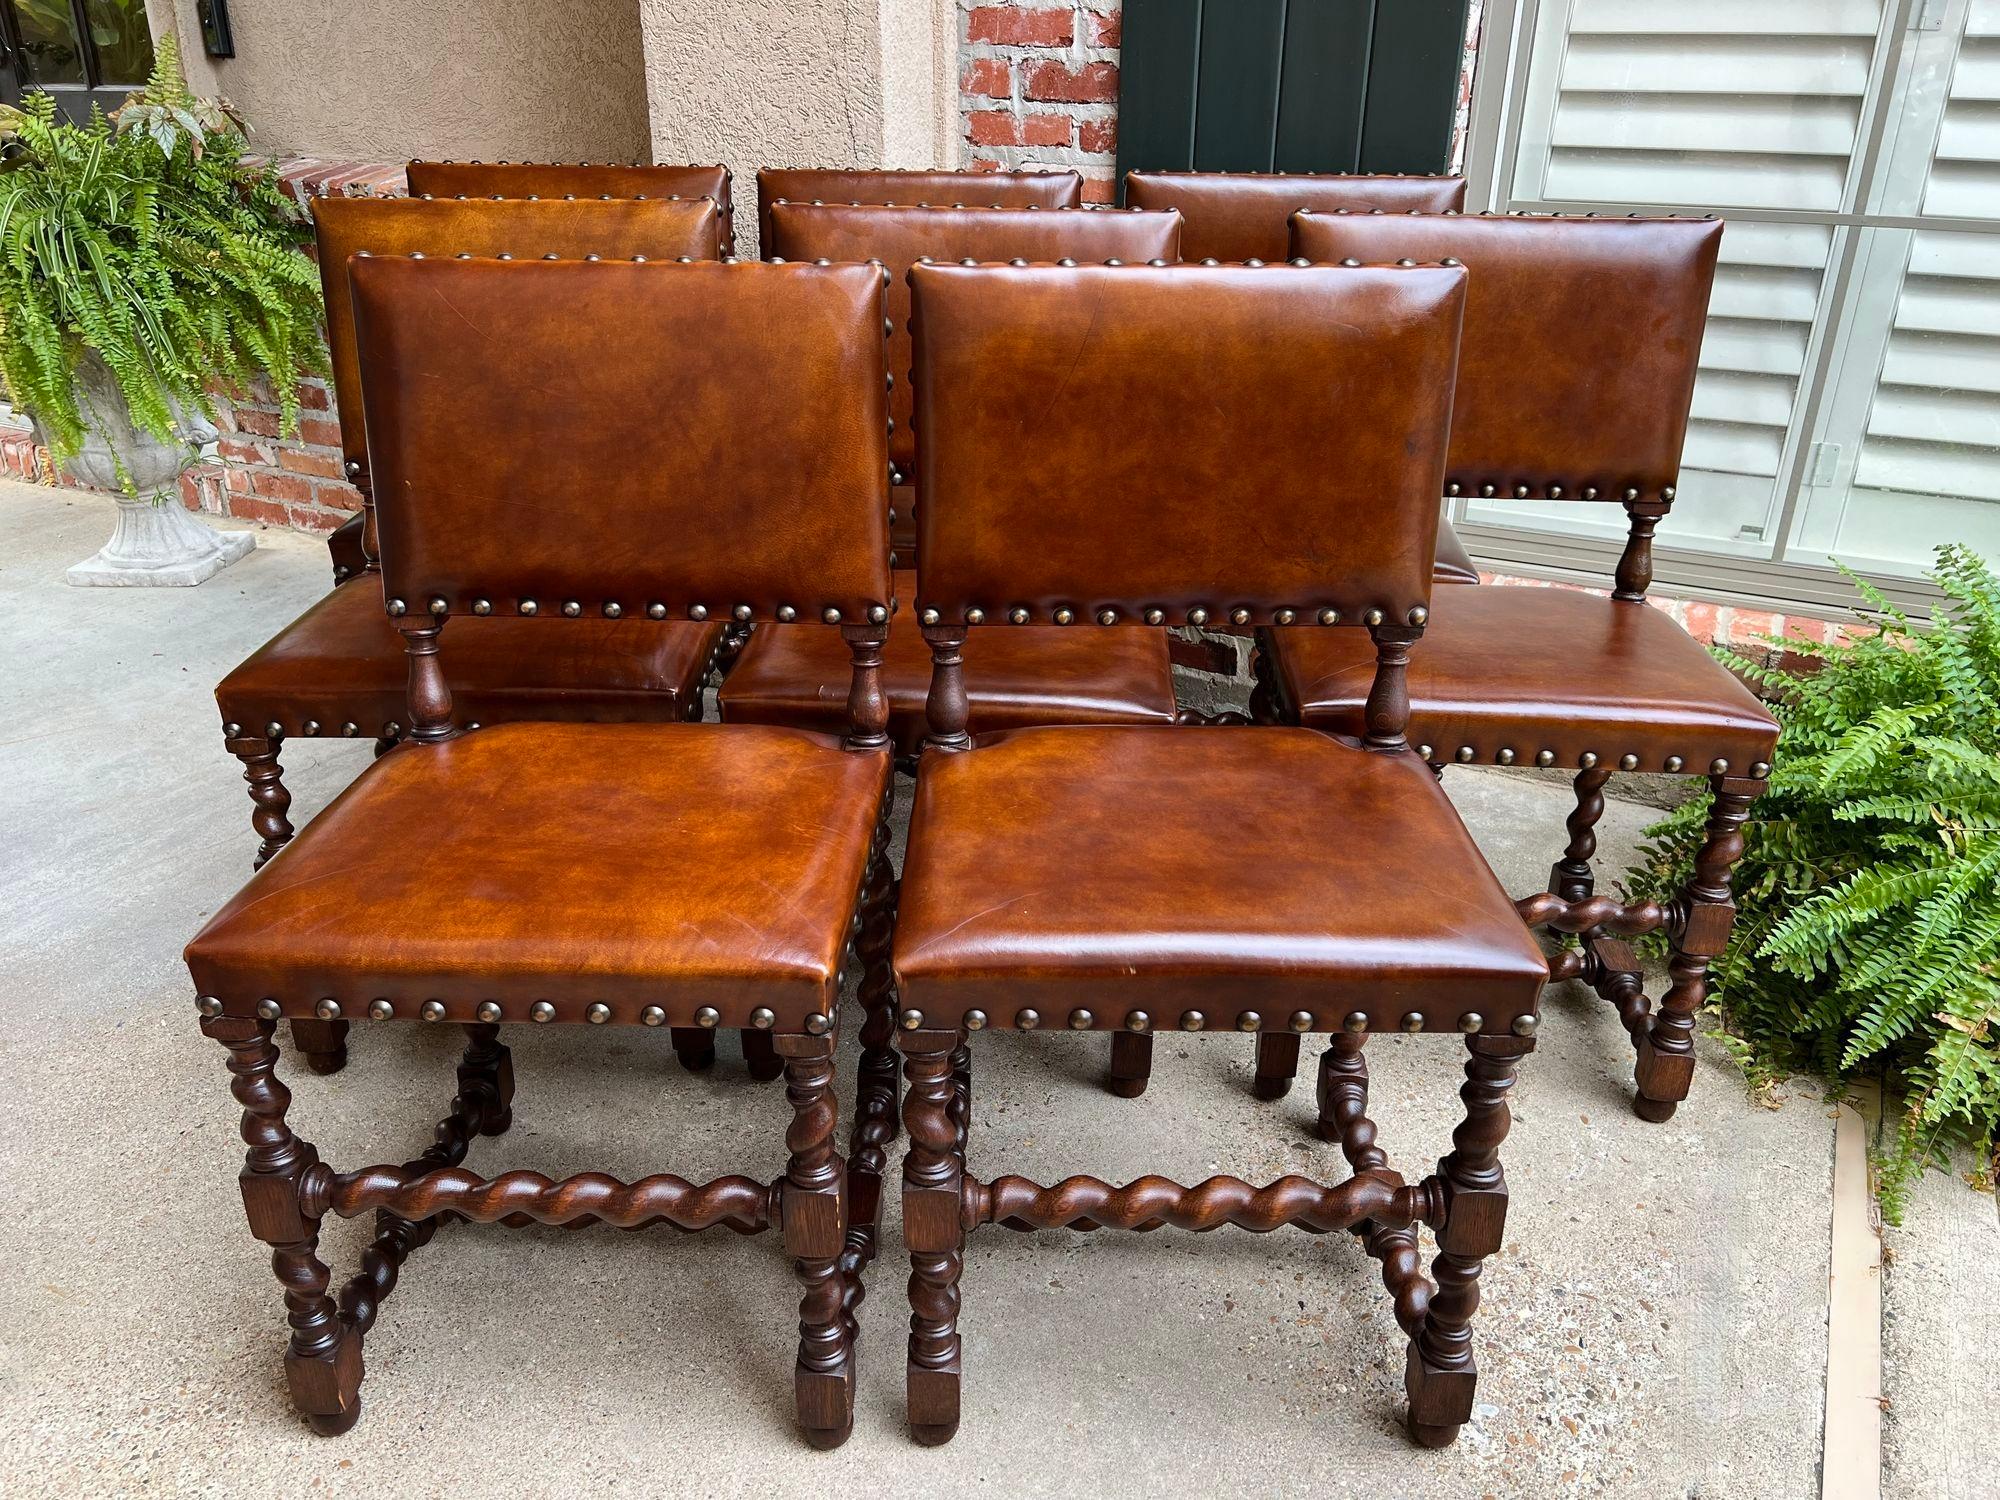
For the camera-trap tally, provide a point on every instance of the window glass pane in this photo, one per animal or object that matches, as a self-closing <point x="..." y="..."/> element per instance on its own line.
<point x="1701" y="102"/>
<point x="1965" y="173"/>
<point x="123" y="40"/>
<point x="48" y="41"/>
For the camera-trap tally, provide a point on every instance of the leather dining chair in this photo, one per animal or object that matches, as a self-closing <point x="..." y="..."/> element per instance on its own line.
<point x="1045" y="675"/>
<point x="878" y="186"/>
<point x="1268" y="440"/>
<point x="1246" y="216"/>
<point x="507" y="875"/>
<point x="337" y="670"/>
<point x="1518" y="676"/>
<point x="566" y="180"/>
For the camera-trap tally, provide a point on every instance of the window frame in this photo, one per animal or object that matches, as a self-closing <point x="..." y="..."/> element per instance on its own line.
<point x="1785" y="580"/>
<point x="73" y="101"/>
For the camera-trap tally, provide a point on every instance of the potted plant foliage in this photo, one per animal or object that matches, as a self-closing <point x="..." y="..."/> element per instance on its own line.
<point x="143" y="262"/>
<point x="1869" y="936"/>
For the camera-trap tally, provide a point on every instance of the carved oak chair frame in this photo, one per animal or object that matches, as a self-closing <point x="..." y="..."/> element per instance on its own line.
<point x="1626" y="301"/>
<point x="1300" y="396"/>
<point x="782" y="362"/>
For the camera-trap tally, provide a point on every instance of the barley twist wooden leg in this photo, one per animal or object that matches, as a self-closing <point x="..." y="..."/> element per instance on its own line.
<point x="1343" y="1120"/>
<point x="934" y="1229"/>
<point x="269" y="798"/>
<point x="1570" y="877"/>
<point x="1701" y="933"/>
<point x="1440" y="1375"/>
<point x="323" y="1044"/>
<point x="1131" y="1063"/>
<point x="1277" y="1064"/>
<point x="875" y="1118"/>
<point x="815" y="1226"/>
<point x="323" y="1360"/>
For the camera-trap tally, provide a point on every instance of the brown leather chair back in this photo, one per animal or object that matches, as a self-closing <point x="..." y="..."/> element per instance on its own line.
<point x="1234" y="216"/>
<point x="628" y="441"/>
<point x="536" y="179"/>
<point x="1042" y="189"/>
<point x="402" y="226"/>
<point x="1181" y="445"/>
<point x="900" y="237"/>
<point x="1581" y="340"/>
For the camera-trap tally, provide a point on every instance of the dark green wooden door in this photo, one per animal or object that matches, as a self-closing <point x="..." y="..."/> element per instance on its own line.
<point x="1289" y="85"/>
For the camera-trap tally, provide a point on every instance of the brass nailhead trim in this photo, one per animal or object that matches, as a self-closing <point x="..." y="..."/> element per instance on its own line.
<point x="598" y="1014"/>
<point x="975" y="1020"/>
<point x="1674" y="763"/>
<point x="489" y="1011"/>
<point x="1138" y="1020"/>
<point x="763" y="1019"/>
<point x="432" y="1010"/>
<point x="1545" y="757"/>
<point x="1249" y="1021"/>
<point x="1414" y="1021"/>
<point x="1628" y="762"/>
<point x="1193" y="1020"/>
<point x="381" y="1010"/>
<point x="1080" y="1019"/>
<point x="208" y="1005"/>
<point x="1302" y="1020"/>
<point x="818" y="1025"/>
<point x="1719" y="768"/>
<point x="1028" y="1020"/>
<point x="529" y="607"/>
<point x="652" y="1015"/>
<point x="541" y="1011"/>
<point x="1470" y="1022"/>
<point x="707" y="1016"/>
<point x="1356" y="1020"/>
<point x="327" y="1010"/>
<point x="911" y="1019"/>
<point x="269" y="1009"/>
<point x="1760" y="769"/>
<point x="1524" y="1025"/>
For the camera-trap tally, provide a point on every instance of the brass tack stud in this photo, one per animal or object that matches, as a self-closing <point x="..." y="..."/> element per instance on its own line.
<point x="1525" y="1025"/>
<point x="1156" y="617"/>
<point x="818" y="1025"/>
<point x="830" y="615"/>
<point x="482" y="606"/>
<point x="1285" y="616"/>
<point x="1138" y="1020"/>
<point x="440" y="606"/>
<point x="1193" y="1020"/>
<point x="930" y="617"/>
<point x="878" y="614"/>
<point x="1413" y="1021"/>
<point x="1760" y="769"/>
<point x="1373" y="617"/>
<point x="1197" y="617"/>
<point x="743" y="612"/>
<point x="1027" y="1020"/>
<point x="1470" y="1022"/>
<point x="274" y="730"/>
<point x="1667" y="495"/>
<point x="571" y="608"/>
<point x="381" y="1010"/>
<point x="350" y="729"/>
<point x="1355" y="1021"/>
<point x="1424" y="751"/>
<point x="975" y="1020"/>
<point x="1302" y="1020"/>
<point x="707" y="1016"/>
<point x="1628" y="762"/>
<point x="1418" y="616"/>
<point x="489" y="1011"/>
<point x="1545" y="757"/>
<point x="1505" y="756"/>
<point x="763" y="1019"/>
<point x="1107" y="617"/>
<point x="652" y="1015"/>
<point x="1018" y="615"/>
<point x="975" y="616"/>
<point x="232" y="730"/>
<point x="1080" y="1019"/>
<point x="613" y="611"/>
<point x="1465" y="753"/>
<point x="697" y="611"/>
<point x="542" y="1012"/>
<point x="656" y="611"/>
<point x="787" y="614"/>
<point x="911" y="1019"/>
<point x="1249" y="1021"/>
<point x="1329" y="617"/>
<point x="269" y="1009"/>
<point x="1065" y="616"/>
<point x="598" y="1013"/>
<point x="431" y="1010"/>
<point x="1674" y="762"/>
<point x="1239" y="617"/>
<point x="208" y="1005"/>
<point x="327" y="1010"/>
<point x="529" y="607"/>
<point x="398" y="607"/>
<point x="1587" y="760"/>
<point x="311" y="727"/>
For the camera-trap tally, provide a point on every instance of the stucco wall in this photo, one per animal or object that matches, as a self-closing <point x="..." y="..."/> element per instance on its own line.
<point x="385" y="80"/>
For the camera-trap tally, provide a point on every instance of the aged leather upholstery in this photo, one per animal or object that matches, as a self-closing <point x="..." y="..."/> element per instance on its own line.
<point x="1454" y="563"/>
<point x="1526" y="670"/>
<point x="900" y="237"/>
<point x="709" y="525"/>
<point x="1342" y="376"/>
<point x="1035" y="189"/>
<point x="548" y="862"/>
<point x="1234" y="216"/>
<point x="526" y="179"/>
<point x="1014" y="678"/>
<point x="1090" y="869"/>
<point x="342" y="662"/>
<point x="1581" y="336"/>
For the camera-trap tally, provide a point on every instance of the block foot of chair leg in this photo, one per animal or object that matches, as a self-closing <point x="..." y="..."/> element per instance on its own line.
<point x="826" y="1405"/>
<point x="1432" y="1434"/>
<point x="1654" y="1111"/>
<point x="1125" y="1088"/>
<point x="933" y="1396"/>
<point x="335" y="1424"/>
<point x="1270" y="1088"/>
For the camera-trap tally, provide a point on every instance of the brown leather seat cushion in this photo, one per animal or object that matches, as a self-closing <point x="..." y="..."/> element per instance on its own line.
<point x="1454" y="564"/>
<point x="342" y="662"/>
<point x="1217" y="870"/>
<point x="1510" y="668"/>
<point x="1015" y="678"/>
<point x="676" y="865"/>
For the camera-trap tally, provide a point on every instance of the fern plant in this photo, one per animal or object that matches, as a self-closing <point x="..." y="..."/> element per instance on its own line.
<point x="147" y="242"/>
<point x="1868" y="939"/>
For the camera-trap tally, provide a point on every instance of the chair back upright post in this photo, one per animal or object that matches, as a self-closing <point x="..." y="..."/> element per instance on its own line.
<point x="525" y="230"/>
<point x="1610" y="426"/>
<point x="1242" y="446"/>
<point x="1240" y="216"/>
<point x="1041" y="188"/>
<point x="572" y="439"/>
<point x="567" y="180"/>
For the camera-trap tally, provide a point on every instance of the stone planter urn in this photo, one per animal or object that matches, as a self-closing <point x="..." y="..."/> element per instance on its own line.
<point x="156" y="543"/>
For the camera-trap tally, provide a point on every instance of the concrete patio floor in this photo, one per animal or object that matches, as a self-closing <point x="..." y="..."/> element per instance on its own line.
<point x="1655" y="1328"/>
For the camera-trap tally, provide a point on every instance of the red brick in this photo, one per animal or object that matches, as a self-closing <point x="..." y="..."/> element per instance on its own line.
<point x="1100" y="190"/>
<point x="250" y="508"/>
<point x="305" y="461"/>
<point x="1700" y="621"/>
<point x="236" y="481"/>
<point x="312" y="518"/>
<point x="1106" y="30"/>
<point x="986" y="164"/>
<point x="992" y="127"/>
<point x="315" y="397"/>
<point x="1100" y="136"/>
<point x="262" y="423"/>
<point x="1046" y="130"/>
<point x="282" y="486"/>
<point x="320" y="431"/>
<point x="1093" y="83"/>
<point x="989" y="77"/>
<point x="237" y="451"/>
<point x="338" y="496"/>
<point x="1017" y="26"/>
<point x="1748" y="625"/>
